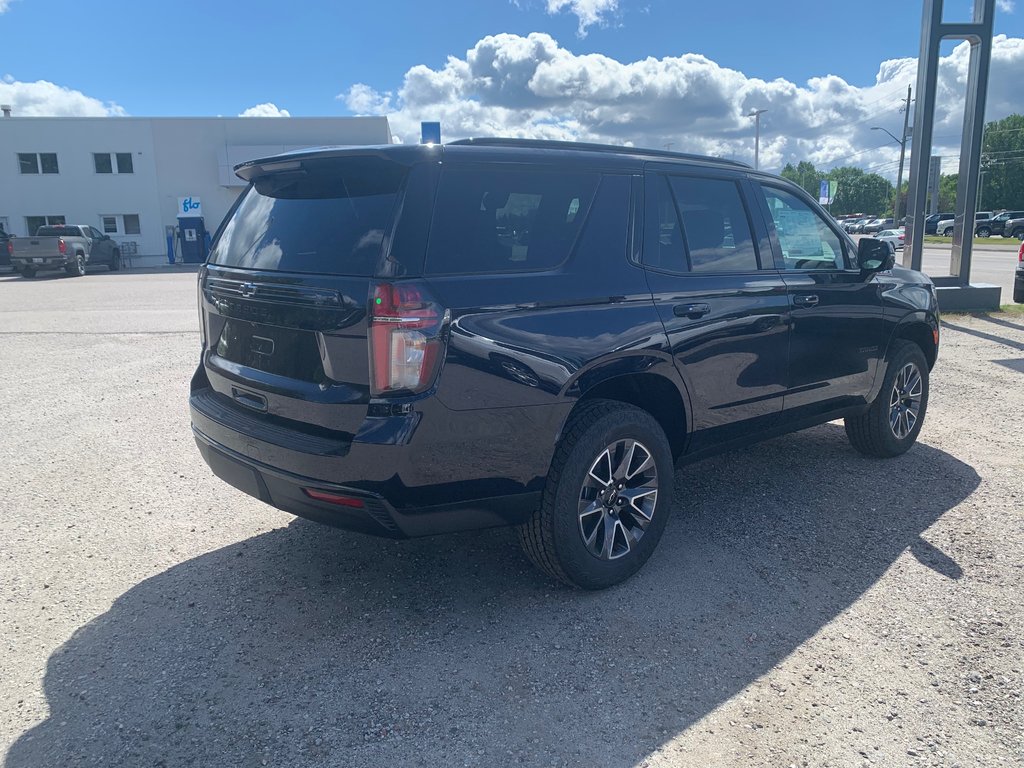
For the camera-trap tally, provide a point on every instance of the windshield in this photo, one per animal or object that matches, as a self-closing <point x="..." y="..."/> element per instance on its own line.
<point x="328" y="218"/>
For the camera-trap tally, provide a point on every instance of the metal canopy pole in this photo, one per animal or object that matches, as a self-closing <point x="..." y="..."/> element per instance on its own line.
<point x="979" y="34"/>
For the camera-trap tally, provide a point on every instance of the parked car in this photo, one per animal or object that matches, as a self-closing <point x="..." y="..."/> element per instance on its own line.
<point x="894" y="238"/>
<point x="1018" y="277"/>
<point x="70" y="247"/>
<point x="996" y="225"/>
<point x="877" y="225"/>
<point x="654" y="308"/>
<point x="858" y="226"/>
<point x="945" y="227"/>
<point x="5" y="250"/>
<point x="1014" y="228"/>
<point x="932" y="220"/>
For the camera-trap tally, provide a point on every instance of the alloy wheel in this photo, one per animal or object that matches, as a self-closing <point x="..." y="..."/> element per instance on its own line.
<point x="618" y="498"/>
<point x="905" y="401"/>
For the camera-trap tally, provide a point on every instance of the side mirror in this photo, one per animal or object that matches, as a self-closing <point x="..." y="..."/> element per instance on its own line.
<point x="874" y="255"/>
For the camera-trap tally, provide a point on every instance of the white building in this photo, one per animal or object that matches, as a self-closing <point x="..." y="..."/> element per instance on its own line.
<point x="126" y="175"/>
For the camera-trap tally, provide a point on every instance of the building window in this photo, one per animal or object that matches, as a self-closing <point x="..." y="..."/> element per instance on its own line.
<point x="106" y="162"/>
<point x="34" y="162"/>
<point x="120" y="224"/>
<point x="33" y="223"/>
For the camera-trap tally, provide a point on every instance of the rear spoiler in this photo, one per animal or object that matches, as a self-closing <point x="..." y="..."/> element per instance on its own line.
<point x="294" y="161"/>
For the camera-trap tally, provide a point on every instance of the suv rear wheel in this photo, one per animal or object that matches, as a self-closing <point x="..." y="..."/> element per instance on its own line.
<point x="894" y="420"/>
<point x="607" y="497"/>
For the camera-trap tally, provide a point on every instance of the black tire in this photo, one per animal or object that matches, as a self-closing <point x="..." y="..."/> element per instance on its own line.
<point x="553" y="537"/>
<point x="1018" y="293"/>
<point x="115" y="261"/>
<point x="28" y="272"/>
<point x="874" y="433"/>
<point x="892" y="248"/>
<point x="947" y="232"/>
<point x="984" y="232"/>
<point x="1018" y="233"/>
<point x="77" y="267"/>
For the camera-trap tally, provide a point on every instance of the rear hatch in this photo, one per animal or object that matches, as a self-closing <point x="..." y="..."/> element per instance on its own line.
<point x="284" y="296"/>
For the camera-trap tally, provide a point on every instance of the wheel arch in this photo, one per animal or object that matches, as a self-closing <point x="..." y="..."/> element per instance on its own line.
<point x="663" y="397"/>
<point x="922" y="329"/>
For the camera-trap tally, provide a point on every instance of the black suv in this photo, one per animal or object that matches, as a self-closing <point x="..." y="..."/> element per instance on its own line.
<point x="409" y="340"/>
<point x="997" y="224"/>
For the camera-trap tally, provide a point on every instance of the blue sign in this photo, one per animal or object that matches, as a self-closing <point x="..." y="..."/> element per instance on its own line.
<point x="430" y="133"/>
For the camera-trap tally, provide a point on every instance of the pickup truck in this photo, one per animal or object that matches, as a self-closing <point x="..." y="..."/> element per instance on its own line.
<point x="68" y="246"/>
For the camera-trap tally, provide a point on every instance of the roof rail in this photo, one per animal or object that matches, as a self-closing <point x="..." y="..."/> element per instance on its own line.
<point x="581" y="145"/>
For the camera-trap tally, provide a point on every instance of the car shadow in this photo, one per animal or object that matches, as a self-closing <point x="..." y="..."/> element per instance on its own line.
<point x="987" y="336"/>
<point x="307" y="645"/>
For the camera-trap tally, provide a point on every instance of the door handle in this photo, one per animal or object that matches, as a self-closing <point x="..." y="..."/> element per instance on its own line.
<point x="806" y="300"/>
<point x="692" y="311"/>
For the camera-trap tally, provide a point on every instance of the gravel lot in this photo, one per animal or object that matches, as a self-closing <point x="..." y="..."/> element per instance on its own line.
<point x="806" y="606"/>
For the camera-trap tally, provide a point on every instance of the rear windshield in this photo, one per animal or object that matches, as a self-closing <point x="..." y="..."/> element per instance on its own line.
<point x="330" y="217"/>
<point x="48" y="231"/>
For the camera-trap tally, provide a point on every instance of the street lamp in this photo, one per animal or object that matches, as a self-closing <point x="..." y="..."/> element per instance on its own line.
<point x="899" y="175"/>
<point x="756" y="114"/>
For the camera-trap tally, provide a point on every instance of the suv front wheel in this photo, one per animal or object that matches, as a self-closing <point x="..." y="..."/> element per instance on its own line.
<point x="607" y="497"/>
<point x="892" y="423"/>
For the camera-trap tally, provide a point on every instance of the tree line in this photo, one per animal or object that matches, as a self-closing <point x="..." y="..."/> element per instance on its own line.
<point x="1002" y="183"/>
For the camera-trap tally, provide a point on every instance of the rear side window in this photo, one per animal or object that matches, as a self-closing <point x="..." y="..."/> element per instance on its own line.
<point x="504" y="220"/>
<point x="697" y="225"/>
<point x="330" y="217"/>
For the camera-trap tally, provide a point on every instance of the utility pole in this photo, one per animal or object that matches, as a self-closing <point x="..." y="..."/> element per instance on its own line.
<point x="756" y="114"/>
<point x="903" y="152"/>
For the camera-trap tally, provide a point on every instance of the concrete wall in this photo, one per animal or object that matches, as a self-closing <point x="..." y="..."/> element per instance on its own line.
<point x="172" y="158"/>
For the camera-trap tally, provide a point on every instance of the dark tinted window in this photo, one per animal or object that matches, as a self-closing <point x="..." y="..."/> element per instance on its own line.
<point x="29" y="163"/>
<point x="716" y="231"/>
<point x="606" y="229"/>
<point x="663" y="237"/>
<point x="124" y="162"/>
<point x="102" y="162"/>
<point x="697" y="225"/>
<point x="497" y="220"/>
<point x="131" y="224"/>
<point x="57" y="231"/>
<point x="330" y="218"/>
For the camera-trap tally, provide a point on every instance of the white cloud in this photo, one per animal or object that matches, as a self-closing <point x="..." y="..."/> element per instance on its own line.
<point x="1006" y="6"/>
<point x="266" y="109"/>
<point x="510" y="85"/>
<point x="43" y="98"/>
<point x="588" y="12"/>
<point x="5" y="5"/>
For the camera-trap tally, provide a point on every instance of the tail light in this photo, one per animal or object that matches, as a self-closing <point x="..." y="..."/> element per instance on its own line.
<point x="10" y="248"/>
<point x="405" y="338"/>
<point x="1020" y="253"/>
<point x="61" y="245"/>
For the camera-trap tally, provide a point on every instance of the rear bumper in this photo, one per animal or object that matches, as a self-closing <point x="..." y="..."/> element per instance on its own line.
<point x="39" y="262"/>
<point x="428" y="471"/>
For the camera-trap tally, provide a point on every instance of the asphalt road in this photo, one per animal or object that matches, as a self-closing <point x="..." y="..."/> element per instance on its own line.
<point x="805" y="607"/>
<point x="988" y="265"/>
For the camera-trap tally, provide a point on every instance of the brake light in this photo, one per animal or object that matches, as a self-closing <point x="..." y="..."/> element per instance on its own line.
<point x="61" y="245"/>
<point x="405" y="338"/>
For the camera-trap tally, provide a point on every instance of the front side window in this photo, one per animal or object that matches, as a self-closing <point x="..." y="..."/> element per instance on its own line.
<point x="498" y="220"/>
<point x="807" y="242"/>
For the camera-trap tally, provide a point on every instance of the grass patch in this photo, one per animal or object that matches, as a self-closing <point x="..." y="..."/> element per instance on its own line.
<point x="1008" y="243"/>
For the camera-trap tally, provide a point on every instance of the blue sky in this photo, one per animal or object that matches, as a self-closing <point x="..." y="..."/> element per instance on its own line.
<point x="221" y="58"/>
